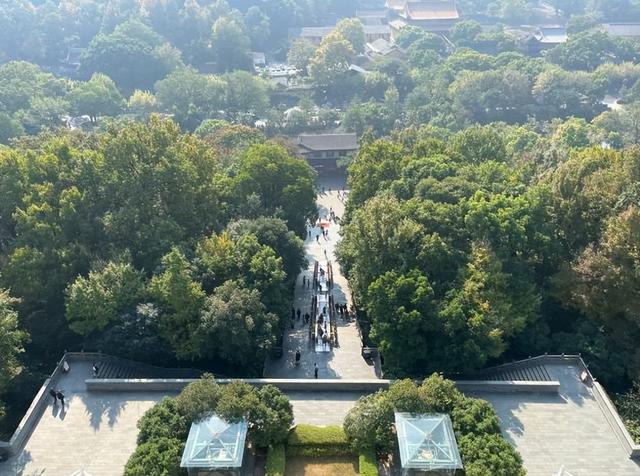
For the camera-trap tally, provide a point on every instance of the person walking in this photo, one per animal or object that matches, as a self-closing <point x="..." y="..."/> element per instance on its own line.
<point x="60" y="396"/>
<point x="297" y="357"/>
<point x="95" y="370"/>
<point x="318" y="238"/>
<point x="298" y="313"/>
<point x="315" y="370"/>
<point x="304" y="281"/>
<point x="53" y="393"/>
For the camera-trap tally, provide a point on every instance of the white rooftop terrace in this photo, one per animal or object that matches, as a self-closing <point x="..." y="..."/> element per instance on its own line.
<point x="97" y="431"/>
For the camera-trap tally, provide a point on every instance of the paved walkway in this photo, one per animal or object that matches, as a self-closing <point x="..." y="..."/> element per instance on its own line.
<point x="346" y="360"/>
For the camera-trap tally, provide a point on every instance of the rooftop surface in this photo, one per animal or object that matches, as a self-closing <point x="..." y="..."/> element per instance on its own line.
<point x="97" y="430"/>
<point x="328" y="141"/>
<point x="431" y="10"/>
<point x="567" y="430"/>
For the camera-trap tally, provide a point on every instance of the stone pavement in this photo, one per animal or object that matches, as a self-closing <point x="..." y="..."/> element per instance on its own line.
<point x="344" y="361"/>
<point x="95" y="433"/>
<point x="566" y="430"/>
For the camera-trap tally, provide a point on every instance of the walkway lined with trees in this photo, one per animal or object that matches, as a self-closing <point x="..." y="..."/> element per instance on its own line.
<point x="344" y="361"/>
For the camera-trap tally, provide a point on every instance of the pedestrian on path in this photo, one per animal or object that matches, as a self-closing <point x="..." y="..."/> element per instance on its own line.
<point x="96" y="370"/>
<point x="318" y="238"/>
<point x="53" y="393"/>
<point x="315" y="370"/>
<point x="304" y="281"/>
<point x="325" y="253"/>
<point x="298" y="313"/>
<point x="60" y="396"/>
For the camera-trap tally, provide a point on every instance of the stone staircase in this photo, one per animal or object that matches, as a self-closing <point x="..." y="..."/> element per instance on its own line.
<point x="115" y="368"/>
<point x="530" y="370"/>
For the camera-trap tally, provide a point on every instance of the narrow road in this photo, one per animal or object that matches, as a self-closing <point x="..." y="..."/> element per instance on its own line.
<point x="344" y="361"/>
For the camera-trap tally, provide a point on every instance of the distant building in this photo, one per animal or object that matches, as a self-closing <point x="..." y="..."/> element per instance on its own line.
<point x="545" y="38"/>
<point x="322" y="150"/>
<point x="385" y="49"/>
<point x="623" y="30"/>
<point x="315" y="34"/>
<point x="372" y="17"/>
<point x="436" y="16"/>
<point x="259" y="60"/>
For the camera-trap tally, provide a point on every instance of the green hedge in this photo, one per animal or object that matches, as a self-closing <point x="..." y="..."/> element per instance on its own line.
<point x="315" y="441"/>
<point x="368" y="463"/>
<point x="276" y="461"/>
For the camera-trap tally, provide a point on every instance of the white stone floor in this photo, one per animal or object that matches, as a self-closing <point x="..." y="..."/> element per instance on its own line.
<point x="344" y="361"/>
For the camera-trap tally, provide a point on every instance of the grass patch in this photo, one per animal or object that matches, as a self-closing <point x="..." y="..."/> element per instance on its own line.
<point x="324" y="466"/>
<point x="316" y="441"/>
<point x="368" y="463"/>
<point x="276" y="461"/>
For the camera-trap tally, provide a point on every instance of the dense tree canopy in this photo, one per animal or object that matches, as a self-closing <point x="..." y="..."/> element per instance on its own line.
<point x="125" y="252"/>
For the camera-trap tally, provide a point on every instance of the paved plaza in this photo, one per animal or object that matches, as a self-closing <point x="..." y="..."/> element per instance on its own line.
<point x="567" y="429"/>
<point x="344" y="361"/>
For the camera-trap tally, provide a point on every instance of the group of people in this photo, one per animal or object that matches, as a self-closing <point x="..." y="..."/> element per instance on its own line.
<point x="296" y="314"/>
<point x="343" y="310"/>
<point x="57" y="395"/>
<point x="297" y="363"/>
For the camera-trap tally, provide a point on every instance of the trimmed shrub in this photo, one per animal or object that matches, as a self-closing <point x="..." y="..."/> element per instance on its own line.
<point x="315" y="441"/>
<point x="489" y="455"/>
<point x="368" y="463"/>
<point x="276" y="460"/>
<point x="160" y="457"/>
<point x="475" y="416"/>
<point x="162" y="421"/>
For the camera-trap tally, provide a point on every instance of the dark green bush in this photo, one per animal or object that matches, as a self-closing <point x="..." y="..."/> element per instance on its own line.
<point x="489" y="455"/>
<point x="475" y="416"/>
<point x="368" y="463"/>
<point x="162" y="421"/>
<point x="276" y="460"/>
<point x="159" y="457"/>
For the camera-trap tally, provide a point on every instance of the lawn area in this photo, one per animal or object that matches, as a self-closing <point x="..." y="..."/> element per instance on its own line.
<point x="322" y="466"/>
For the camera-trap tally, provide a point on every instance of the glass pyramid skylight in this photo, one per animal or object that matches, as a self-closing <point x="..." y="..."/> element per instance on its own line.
<point x="215" y="443"/>
<point x="427" y="442"/>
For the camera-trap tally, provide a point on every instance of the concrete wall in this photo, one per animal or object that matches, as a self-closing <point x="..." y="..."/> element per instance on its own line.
<point x="312" y="385"/>
<point x="615" y="422"/>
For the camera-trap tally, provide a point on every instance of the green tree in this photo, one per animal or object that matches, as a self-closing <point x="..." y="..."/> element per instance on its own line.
<point x="131" y="56"/>
<point x="404" y="322"/>
<point x="352" y="30"/>
<point x="181" y="300"/>
<point x="9" y="128"/>
<point x="95" y="301"/>
<point x="487" y="455"/>
<point x="245" y="94"/>
<point x="230" y="46"/>
<point x="300" y="53"/>
<point x="259" y="26"/>
<point x="142" y="103"/>
<point x="465" y="32"/>
<point x="159" y="456"/>
<point x="97" y="97"/>
<point x="479" y="144"/>
<point x="190" y="96"/>
<point x="12" y="340"/>
<point x="331" y="61"/>
<point x="234" y="321"/>
<point x="603" y="282"/>
<point x="284" y="184"/>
